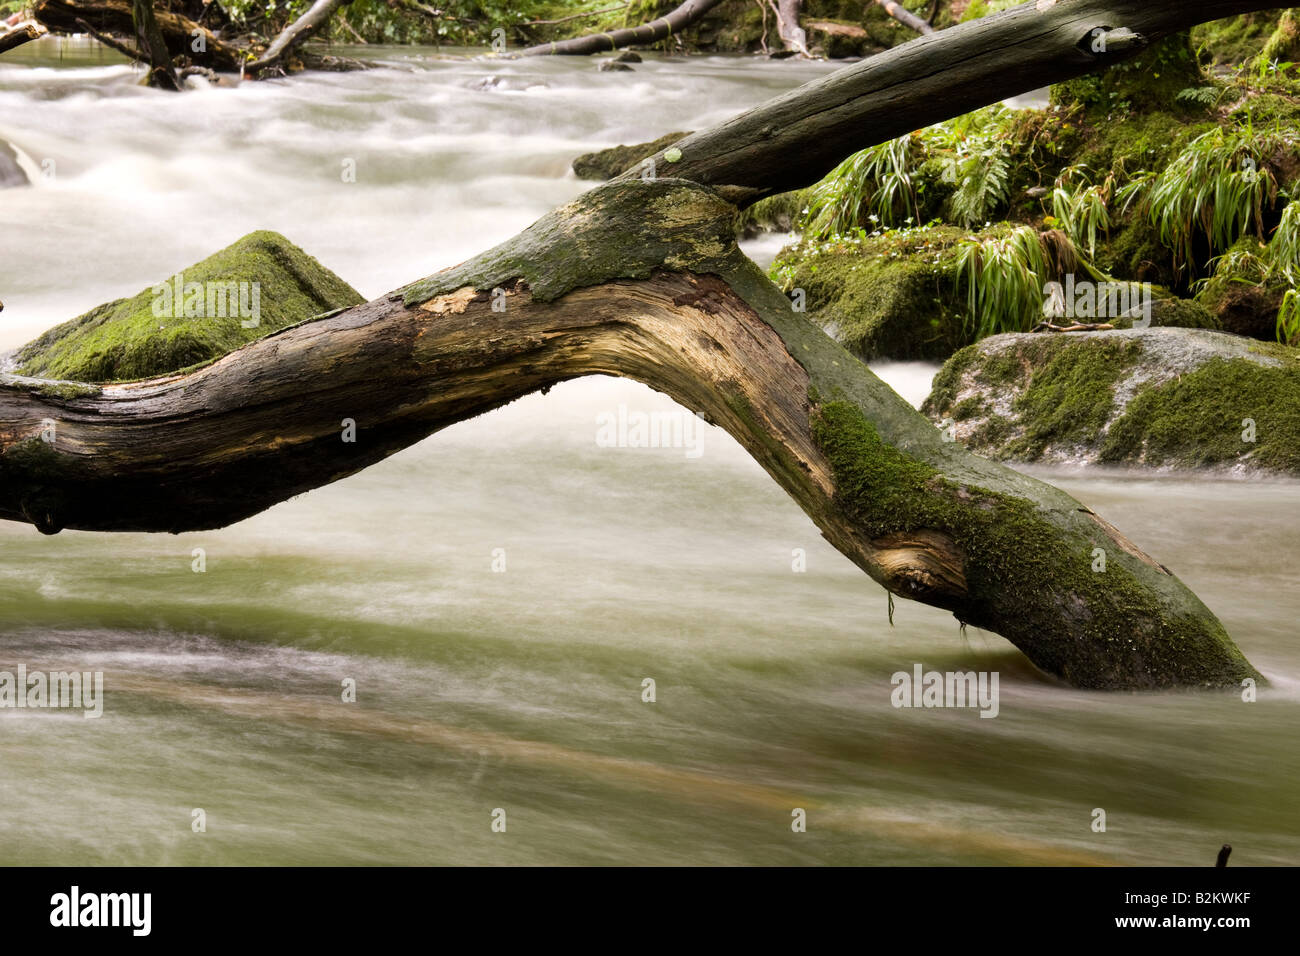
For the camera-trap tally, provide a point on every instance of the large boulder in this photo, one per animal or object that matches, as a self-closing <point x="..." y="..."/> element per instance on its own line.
<point x="259" y="284"/>
<point x="882" y="296"/>
<point x="1159" y="397"/>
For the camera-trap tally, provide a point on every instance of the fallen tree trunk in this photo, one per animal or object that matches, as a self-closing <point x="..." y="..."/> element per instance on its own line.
<point x="23" y="33"/>
<point x="651" y="32"/>
<point x="795" y="139"/>
<point x="114" y="17"/>
<point x="640" y="279"/>
<point x="643" y="279"/>
<point x="904" y="16"/>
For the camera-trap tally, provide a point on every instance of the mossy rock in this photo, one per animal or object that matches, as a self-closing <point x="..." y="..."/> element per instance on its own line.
<point x="1157" y="397"/>
<point x="838" y="40"/>
<point x="1149" y="82"/>
<point x="888" y="296"/>
<point x="263" y="279"/>
<point x="779" y="213"/>
<point x="1235" y="40"/>
<point x="1283" y="44"/>
<point x="608" y="163"/>
<point x="1134" y="250"/>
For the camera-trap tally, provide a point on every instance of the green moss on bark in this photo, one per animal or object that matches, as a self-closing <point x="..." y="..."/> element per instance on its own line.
<point x="1131" y="625"/>
<point x="608" y="163"/>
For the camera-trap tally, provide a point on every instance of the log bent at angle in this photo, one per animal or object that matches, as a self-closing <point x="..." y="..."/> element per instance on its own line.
<point x="643" y="280"/>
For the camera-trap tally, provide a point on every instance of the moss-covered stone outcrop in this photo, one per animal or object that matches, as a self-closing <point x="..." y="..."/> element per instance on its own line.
<point x="255" y="286"/>
<point x="1157" y="397"/>
<point x="885" y="296"/>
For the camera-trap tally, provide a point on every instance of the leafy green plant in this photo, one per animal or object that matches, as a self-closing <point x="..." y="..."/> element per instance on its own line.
<point x="873" y="184"/>
<point x="880" y="184"/>
<point x="1003" y="275"/>
<point x="1288" y="318"/>
<point x="1278" y="261"/>
<point x="982" y="175"/>
<point x="1284" y="247"/>
<point x="1217" y="189"/>
<point x="1080" y="211"/>
<point x="1207" y="96"/>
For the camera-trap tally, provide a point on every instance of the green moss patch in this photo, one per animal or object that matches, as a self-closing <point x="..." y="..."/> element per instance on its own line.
<point x="262" y="278"/>
<point x="1162" y="397"/>
<point x="1204" y="418"/>
<point x="885" y="296"/>
<point x="1068" y="401"/>
<point x="1097" y="630"/>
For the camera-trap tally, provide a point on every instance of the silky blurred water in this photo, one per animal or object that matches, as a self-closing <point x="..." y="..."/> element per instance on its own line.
<point x="520" y="687"/>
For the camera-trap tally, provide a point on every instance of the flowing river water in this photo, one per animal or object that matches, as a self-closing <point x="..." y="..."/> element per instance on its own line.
<point x="499" y="592"/>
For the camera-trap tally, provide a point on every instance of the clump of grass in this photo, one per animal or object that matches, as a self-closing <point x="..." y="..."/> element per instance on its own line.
<point x="1218" y="189"/>
<point x="1003" y="275"/>
<point x="875" y="184"/>
<point x="880" y="184"/>
<point x="1276" y="262"/>
<point x="1079" y="207"/>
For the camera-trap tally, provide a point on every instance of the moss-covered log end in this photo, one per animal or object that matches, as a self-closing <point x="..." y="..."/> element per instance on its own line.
<point x="1081" y="601"/>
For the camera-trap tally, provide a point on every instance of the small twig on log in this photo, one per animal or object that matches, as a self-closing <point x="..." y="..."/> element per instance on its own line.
<point x="1077" y="327"/>
<point x="112" y="43"/>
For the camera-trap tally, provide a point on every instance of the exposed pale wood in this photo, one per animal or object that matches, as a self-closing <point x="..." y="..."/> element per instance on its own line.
<point x="313" y="19"/>
<point x="16" y="36"/>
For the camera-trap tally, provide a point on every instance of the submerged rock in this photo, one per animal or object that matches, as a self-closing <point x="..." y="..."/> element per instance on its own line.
<point x="1156" y="397"/>
<point x="11" y="174"/>
<point x="608" y="163"/>
<point x="253" y="287"/>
